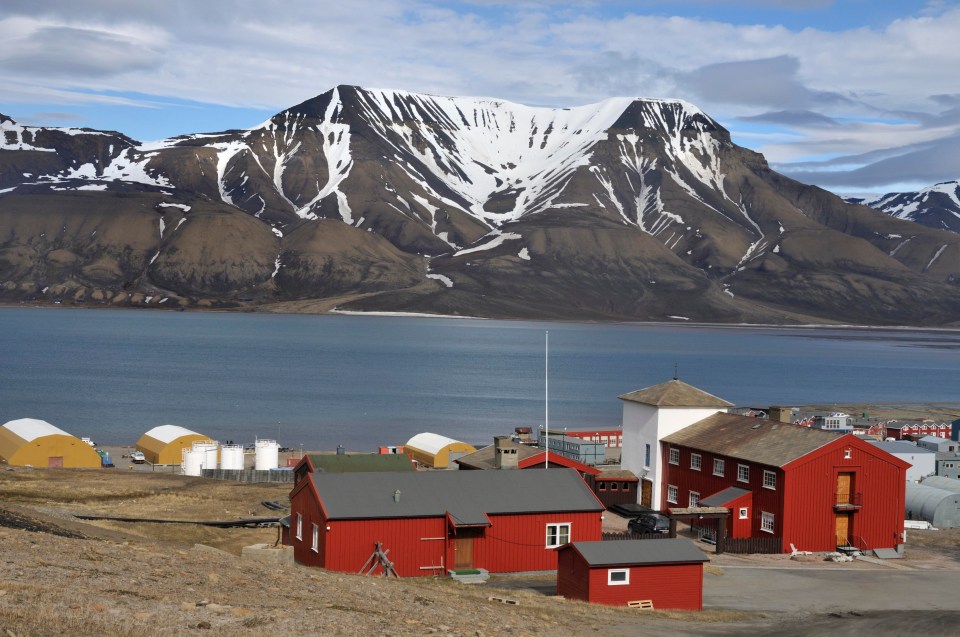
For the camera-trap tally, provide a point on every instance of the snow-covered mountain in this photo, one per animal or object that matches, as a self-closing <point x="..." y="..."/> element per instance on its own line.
<point x="936" y="207"/>
<point x="389" y="200"/>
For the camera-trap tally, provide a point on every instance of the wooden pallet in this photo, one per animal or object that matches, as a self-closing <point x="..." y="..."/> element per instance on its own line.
<point x="642" y="604"/>
<point x="504" y="600"/>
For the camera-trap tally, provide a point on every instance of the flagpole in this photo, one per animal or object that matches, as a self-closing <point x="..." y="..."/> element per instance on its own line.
<point x="546" y="399"/>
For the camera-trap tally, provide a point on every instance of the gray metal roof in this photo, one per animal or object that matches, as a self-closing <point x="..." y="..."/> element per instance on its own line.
<point x="485" y="458"/>
<point x="675" y="393"/>
<point x="625" y="552"/>
<point x="899" y="447"/>
<point x="721" y="498"/>
<point x="754" y="439"/>
<point x="466" y="495"/>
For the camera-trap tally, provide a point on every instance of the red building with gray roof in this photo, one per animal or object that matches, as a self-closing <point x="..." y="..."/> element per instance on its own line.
<point x="805" y="487"/>
<point x="427" y="523"/>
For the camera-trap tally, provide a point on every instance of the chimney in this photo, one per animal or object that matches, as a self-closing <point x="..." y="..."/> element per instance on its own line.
<point x="396" y="495"/>
<point x="780" y="414"/>
<point x="504" y="453"/>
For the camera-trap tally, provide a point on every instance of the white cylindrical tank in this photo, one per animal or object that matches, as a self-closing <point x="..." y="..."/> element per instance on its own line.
<point x="267" y="455"/>
<point x="231" y="457"/>
<point x="208" y="449"/>
<point x="192" y="462"/>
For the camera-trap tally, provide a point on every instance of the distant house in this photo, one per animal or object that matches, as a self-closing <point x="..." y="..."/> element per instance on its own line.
<point x="429" y="522"/>
<point x="436" y="451"/>
<point x="582" y="450"/>
<point x="810" y="488"/>
<point x="922" y="461"/>
<point x="836" y="422"/>
<point x="349" y="463"/>
<point x="649" y="415"/>
<point x="611" y="437"/>
<point x="668" y="573"/>
<point x="615" y="486"/>
<point x="939" y="444"/>
<point x="916" y="429"/>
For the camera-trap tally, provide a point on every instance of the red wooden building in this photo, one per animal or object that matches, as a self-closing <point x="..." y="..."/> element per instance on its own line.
<point x="916" y="429"/>
<point x="667" y="572"/>
<point x="811" y="488"/>
<point x="430" y="522"/>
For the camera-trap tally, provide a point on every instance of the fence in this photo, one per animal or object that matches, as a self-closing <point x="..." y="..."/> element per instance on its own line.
<point x="249" y="475"/>
<point x="627" y="535"/>
<point x="768" y="545"/>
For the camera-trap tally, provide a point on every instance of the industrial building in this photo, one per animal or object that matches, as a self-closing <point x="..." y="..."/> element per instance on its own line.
<point x="434" y="450"/>
<point x="665" y="574"/>
<point x="165" y="444"/>
<point x="940" y="507"/>
<point x="28" y="442"/>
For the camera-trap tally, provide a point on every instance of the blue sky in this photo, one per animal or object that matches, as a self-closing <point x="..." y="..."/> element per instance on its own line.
<point x="854" y="95"/>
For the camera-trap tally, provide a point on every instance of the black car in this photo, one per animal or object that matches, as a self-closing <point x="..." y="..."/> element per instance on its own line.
<point x="649" y="523"/>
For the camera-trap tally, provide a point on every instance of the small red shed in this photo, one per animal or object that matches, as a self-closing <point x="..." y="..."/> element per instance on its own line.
<point x="434" y="521"/>
<point x="667" y="572"/>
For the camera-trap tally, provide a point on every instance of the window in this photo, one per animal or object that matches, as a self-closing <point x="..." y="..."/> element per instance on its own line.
<point x="646" y="457"/>
<point x="847" y="454"/>
<point x="674" y="455"/>
<point x="299" y="526"/>
<point x="671" y="494"/>
<point x="603" y="486"/>
<point x="766" y="522"/>
<point x="769" y="480"/>
<point x="625" y="486"/>
<point x="744" y="513"/>
<point x="743" y="473"/>
<point x="613" y="486"/>
<point x="718" y="467"/>
<point x="695" y="461"/>
<point x="558" y="534"/>
<point x="694" y="499"/>
<point x="618" y="576"/>
<point x="316" y="539"/>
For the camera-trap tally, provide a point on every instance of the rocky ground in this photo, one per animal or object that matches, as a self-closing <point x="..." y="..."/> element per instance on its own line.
<point x="63" y="576"/>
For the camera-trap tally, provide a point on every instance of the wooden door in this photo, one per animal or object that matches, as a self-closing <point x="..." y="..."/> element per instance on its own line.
<point x="844" y="488"/>
<point x="843" y="529"/>
<point x="463" y="553"/>
<point x="55" y="462"/>
<point x="646" y="492"/>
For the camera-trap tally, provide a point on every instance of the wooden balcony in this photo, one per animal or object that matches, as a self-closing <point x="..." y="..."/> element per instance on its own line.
<point x="847" y="501"/>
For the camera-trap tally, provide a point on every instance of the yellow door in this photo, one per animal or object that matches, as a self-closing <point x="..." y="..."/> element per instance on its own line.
<point x="844" y="488"/>
<point x="843" y="529"/>
<point x="463" y="552"/>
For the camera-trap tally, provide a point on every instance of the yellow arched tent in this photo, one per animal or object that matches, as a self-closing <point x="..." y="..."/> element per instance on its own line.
<point x="434" y="450"/>
<point x="37" y="443"/>
<point x="165" y="444"/>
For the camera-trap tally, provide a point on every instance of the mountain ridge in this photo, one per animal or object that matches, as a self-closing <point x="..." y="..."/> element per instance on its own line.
<point x="629" y="209"/>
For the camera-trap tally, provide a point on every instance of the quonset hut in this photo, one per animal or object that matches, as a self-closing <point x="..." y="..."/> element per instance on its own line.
<point x="434" y="450"/>
<point x="165" y="444"/>
<point x="37" y="443"/>
<point x="939" y="507"/>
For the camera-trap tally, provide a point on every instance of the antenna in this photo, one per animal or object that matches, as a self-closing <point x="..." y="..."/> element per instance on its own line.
<point x="676" y="371"/>
<point x="546" y="399"/>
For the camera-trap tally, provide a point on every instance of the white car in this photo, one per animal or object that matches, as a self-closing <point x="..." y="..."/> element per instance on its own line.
<point x="137" y="457"/>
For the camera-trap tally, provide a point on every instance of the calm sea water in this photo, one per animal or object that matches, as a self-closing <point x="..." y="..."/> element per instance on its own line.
<point x="360" y="381"/>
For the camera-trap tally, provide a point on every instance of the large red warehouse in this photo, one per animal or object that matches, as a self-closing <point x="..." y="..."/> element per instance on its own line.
<point x="807" y="487"/>
<point x="431" y="522"/>
<point x="668" y="573"/>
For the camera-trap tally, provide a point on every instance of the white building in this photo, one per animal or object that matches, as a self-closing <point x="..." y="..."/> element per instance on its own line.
<point x="922" y="461"/>
<point x="649" y="415"/>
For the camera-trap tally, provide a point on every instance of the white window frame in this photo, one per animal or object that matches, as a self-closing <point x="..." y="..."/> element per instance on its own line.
<point x="694" y="499"/>
<point x="618" y="571"/>
<point x="696" y="461"/>
<point x="672" y="493"/>
<point x="744" y="513"/>
<point x="719" y="467"/>
<point x="673" y="456"/>
<point x="766" y="522"/>
<point x="299" y="535"/>
<point x="769" y="480"/>
<point x="743" y="473"/>
<point x="556" y="530"/>
<point x="316" y="539"/>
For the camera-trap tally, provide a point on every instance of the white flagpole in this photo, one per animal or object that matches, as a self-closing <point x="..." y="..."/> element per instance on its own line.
<point x="546" y="399"/>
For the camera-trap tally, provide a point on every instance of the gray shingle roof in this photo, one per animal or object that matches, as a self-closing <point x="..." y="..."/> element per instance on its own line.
<point x="753" y="439"/>
<point x="675" y="393"/>
<point x="466" y="495"/>
<point x="625" y="552"/>
<point x="721" y="498"/>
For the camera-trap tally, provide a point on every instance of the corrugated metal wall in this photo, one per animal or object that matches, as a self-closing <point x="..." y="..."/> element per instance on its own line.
<point x="518" y="542"/>
<point x="678" y="586"/>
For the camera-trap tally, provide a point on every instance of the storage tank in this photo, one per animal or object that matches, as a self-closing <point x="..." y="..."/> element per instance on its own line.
<point x="208" y="449"/>
<point x="193" y="462"/>
<point x="231" y="457"/>
<point x="267" y="455"/>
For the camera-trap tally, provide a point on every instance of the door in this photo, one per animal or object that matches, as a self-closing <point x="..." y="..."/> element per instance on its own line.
<point x="843" y="529"/>
<point x="55" y="462"/>
<point x="844" y="488"/>
<point x="646" y="492"/>
<point x="463" y="553"/>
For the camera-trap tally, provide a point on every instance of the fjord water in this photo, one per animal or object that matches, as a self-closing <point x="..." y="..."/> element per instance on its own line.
<point x="361" y="381"/>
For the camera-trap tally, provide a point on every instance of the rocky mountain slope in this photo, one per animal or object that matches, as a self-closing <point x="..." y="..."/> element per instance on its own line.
<point x="393" y="201"/>
<point x="936" y="207"/>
